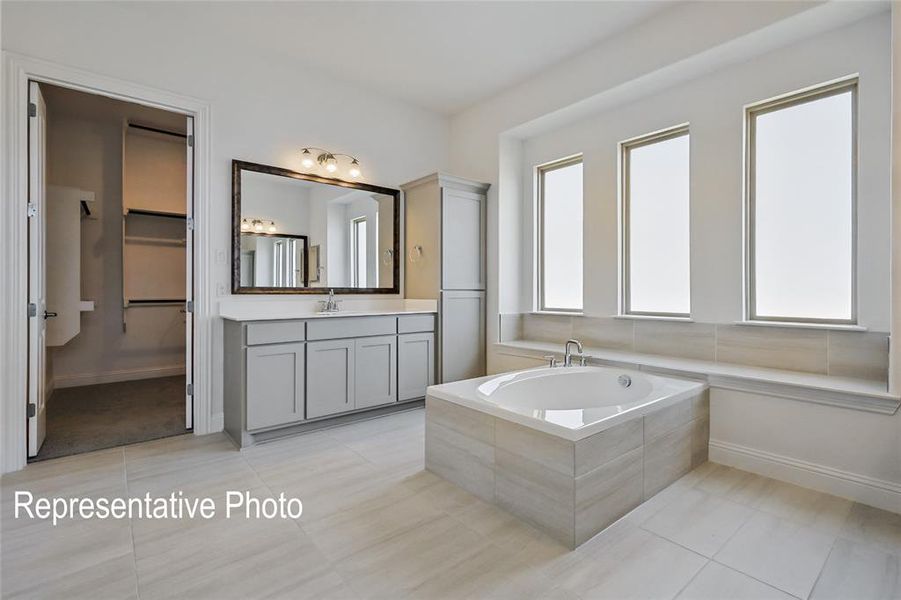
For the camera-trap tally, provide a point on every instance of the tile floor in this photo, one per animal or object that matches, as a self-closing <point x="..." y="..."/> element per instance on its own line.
<point x="375" y="525"/>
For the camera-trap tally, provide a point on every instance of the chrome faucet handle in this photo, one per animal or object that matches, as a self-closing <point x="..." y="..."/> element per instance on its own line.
<point x="552" y="360"/>
<point x="583" y="360"/>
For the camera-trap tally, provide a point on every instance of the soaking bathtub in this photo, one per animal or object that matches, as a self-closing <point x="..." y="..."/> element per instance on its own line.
<point x="568" y="449"/>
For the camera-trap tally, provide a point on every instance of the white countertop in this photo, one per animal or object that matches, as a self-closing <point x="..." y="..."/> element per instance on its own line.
<point x="259" y="309"/>
<point x="859" y="394"/>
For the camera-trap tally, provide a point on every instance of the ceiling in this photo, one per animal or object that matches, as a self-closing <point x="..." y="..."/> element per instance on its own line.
<point x="69" y="102"/>
<point x="443" y="56"/>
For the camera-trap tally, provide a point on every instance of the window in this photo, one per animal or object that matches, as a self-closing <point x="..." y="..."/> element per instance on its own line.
<point x="358" y="252"/>
<point x="560" y="235"/>
<point x="655" y="224"/>
<point x="801" y="207"/>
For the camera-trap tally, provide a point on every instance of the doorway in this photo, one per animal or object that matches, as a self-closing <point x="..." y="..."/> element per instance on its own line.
<point x="110" y="272"/>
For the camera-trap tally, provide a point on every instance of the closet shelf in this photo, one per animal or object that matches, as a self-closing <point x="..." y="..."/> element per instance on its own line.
<point x="138" y="239"/>
<point x="139" y="302"/>
<point x="154" y="213"/>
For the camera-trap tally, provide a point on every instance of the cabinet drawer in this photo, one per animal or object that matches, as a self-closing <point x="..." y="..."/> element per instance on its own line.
<point x="415" y="323"/>
<point x="331" y="328"/>
<point x="275" y="332"/>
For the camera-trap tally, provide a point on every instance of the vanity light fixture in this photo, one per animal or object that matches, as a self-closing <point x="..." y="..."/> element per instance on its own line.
<point x="258" y="225"/>
<point x="329" y="161"/>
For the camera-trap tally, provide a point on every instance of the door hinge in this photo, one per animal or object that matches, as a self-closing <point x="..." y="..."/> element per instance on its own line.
<point x="31" y="210"/>
<point x="190" y="223"/>
<point x="189" y="389"/>
<point x="32" y="309"/>
<point x="32" y="410"/>
<point x="189" y="306"/>
<point x="32" y="109"/>
<point x="190" y="141"/>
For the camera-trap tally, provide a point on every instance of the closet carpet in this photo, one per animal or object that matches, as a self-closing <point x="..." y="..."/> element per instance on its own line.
<point x="93" y="417"/>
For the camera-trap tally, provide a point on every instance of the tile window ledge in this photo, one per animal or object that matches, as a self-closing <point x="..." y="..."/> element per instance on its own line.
<point x="854" y="394"/>
<point x="802" y="325"/>
<point x="654" y="318"/>
<point x="559" y="313"/>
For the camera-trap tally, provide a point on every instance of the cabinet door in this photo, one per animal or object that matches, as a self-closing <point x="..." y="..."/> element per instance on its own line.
<point x="462" y="240"/>
<point x="375" y="370"/>
<point x="330" y="377"/>
<point x="462" y="335"/>
<point x="275" y="385"/>
<point x="415" y="364"/>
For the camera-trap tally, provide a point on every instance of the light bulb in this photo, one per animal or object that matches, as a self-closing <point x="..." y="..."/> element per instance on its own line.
<point x="306" y="159"/>
<point x="258" y="226"/>
<point x="331" y="164"/>
<point x="354" y="168"/>
<point x="245" y="226"/>
<point x="272" y="227"/>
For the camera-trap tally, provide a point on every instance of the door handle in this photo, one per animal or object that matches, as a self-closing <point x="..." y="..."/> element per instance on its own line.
<point x="50" y="315"/>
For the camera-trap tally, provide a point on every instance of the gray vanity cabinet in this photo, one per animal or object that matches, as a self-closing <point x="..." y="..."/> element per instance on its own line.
<point x="415" y="364"/>
<point x="375" y="371"/>
<point x="282" y="375"/>
<point x="330" y="377"/>
<point x="275" y="384"/>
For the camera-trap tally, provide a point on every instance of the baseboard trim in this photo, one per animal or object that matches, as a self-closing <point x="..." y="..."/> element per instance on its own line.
<point x="853" y="486"/>
<point x="217" y="422"/>
<point x="68" y="381"/>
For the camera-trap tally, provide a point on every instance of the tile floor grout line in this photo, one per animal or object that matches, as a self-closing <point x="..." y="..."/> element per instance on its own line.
<point x="690" y="580"/>
<point x="131" y="528"/>
<point x="822" y="568"/>
<point x="748" y="575"/>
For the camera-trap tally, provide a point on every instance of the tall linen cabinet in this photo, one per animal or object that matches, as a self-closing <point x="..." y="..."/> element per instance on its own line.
<point x="445" y="251"/>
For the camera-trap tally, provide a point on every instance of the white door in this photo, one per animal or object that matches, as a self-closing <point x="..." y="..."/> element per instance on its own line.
<point x="189" y="282"/>
<point x="37" y="278"/>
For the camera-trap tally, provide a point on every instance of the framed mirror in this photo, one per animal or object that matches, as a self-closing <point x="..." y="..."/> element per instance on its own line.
<point x="294" y="233"/>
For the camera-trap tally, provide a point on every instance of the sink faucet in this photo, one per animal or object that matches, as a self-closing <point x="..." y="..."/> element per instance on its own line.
<point x="568" y="357"/>
<point x="331" y="305"/>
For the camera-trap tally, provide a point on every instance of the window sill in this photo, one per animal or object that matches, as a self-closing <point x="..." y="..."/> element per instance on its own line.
<point x="802" y="325"/>
<point x="559" y="313"/>
<point x="654" y="318"/>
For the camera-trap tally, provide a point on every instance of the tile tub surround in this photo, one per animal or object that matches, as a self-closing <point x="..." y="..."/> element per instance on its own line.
<point x="851" y="354"/>
<point x="569" y="489"/>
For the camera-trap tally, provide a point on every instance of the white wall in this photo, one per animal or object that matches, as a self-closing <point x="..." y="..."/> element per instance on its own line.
<point x="263" y="109"/>
<point x="713" y="106"/>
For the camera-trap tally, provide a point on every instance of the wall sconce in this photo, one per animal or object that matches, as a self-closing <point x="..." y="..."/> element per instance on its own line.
<point x="388" y="257"/>
<point x="415" y="254"/>
<point x="329" y="161"/>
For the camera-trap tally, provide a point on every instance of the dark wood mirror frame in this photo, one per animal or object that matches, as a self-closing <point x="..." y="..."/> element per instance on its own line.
<point x="238" y="166"/>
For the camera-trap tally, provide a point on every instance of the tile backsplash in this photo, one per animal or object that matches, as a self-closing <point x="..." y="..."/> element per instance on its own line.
<point x="856" y="354"/>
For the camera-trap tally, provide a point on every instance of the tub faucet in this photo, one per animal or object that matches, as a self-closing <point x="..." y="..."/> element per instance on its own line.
<point x="567" y="356"/>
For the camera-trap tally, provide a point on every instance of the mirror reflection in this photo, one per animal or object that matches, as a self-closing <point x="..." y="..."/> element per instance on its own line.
<point x="303" y="234"/>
